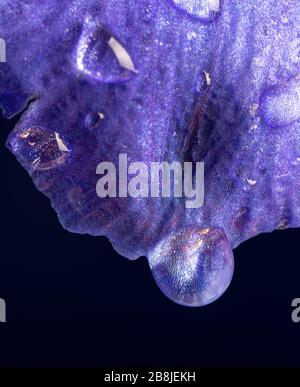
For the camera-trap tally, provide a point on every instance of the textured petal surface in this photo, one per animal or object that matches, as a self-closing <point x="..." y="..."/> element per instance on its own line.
<point x="212" y="81"/>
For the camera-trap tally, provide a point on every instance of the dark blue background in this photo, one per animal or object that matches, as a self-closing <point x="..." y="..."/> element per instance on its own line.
<point x="71" y="300"/>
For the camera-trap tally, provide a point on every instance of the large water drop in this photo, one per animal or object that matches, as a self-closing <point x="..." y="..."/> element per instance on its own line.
<point x="205" y="10"/>
<point x="38" y="148"/>
<point x="193" y="267"/>
<point x="101" y="57"/>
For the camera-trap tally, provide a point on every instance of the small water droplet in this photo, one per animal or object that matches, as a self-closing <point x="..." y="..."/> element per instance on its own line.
<point x="193" y="267"/>
<point x="101" y="57"/>
<point x="280" y="104"/>
<point x="38" y="148"/>
<point x="92" y="120"/>
<point x="205" y="10"/>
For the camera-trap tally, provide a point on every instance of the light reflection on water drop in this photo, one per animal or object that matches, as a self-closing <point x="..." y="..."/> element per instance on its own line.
<point x="101" y="57"/>
<point x="39" y="148"/>
<point x="193" y="267"/>
<point x="205" y="10"/>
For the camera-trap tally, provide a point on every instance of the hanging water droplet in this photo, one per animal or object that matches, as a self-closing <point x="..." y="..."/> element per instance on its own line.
<point x="100" y="56"/>
<point x="280" y="104"/>
<point x="38" y="148"/>
<point x="193" y="267"/>
<point x="205" y="10"/>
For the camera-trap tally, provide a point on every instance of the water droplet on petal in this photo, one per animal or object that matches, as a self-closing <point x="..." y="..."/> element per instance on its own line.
<point x="193" y="267"/>
<point x="92" y="120"/>
<point x="38" y="148"/>
<point x="280" y="104"/>
<point x="205" y="10"/>
<point x="101" y="57"/>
